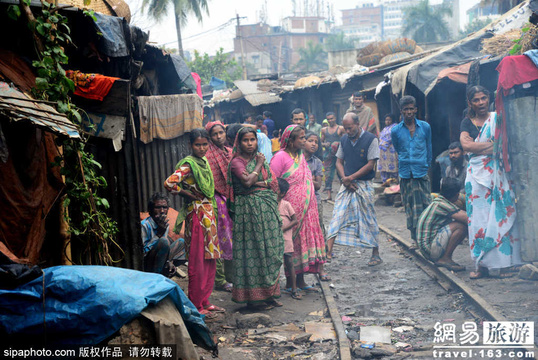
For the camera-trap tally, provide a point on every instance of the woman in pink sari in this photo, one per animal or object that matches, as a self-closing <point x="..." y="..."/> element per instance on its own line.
<point x="308" y="242"/>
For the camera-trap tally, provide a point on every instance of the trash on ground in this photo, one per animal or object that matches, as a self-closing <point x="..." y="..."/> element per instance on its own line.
<point x="320" y="330"/>
<point x="379" y="334"/>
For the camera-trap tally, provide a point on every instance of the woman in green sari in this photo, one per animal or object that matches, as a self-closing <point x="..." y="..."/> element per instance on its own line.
<point x="193" y="180"/>
<point x="258" y="242"/>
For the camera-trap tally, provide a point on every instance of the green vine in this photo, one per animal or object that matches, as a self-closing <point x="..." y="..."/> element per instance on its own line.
<point x="86" y="215"/>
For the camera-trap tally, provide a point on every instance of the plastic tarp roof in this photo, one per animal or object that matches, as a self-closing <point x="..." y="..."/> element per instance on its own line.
<point x="457" y="74"/>
<point x="254" y="96"/>
<point x="18" y="106"/>
<point x="84" y="305"/>
<point x="423" y="73"/>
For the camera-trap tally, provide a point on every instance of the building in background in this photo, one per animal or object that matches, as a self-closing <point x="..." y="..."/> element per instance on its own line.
<point x="274" y="49"/>
<point x="374" y="20"/>
<point x="364" y="23"/>
<point x="482" y="12"/>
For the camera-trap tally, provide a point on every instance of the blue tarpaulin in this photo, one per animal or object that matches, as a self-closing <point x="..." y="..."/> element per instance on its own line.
<point x="217" y="83"/>
<point x="112" y="42"/>
<point x="85" y="305"/>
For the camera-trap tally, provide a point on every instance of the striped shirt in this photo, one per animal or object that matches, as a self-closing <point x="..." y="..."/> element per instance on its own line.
<point x="435" y="216"/>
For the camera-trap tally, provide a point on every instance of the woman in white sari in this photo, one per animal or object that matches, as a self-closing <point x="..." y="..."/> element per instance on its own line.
<point x="493" y="235"/>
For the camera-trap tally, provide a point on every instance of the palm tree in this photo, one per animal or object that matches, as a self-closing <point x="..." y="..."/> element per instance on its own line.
<point x="157" y="9"/>
<point x="426" y="23"/>
<point x="338" y="42"/>
<point x="313" y="57"/>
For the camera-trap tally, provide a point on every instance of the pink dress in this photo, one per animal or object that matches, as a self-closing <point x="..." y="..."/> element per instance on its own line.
<point x="308" y="241"/>
<point x="286" y="213"/>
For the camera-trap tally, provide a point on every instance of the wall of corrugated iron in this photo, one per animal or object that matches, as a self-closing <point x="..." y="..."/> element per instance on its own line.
<point x="156" y="161"/>
<point x="119" y="170"/>
<point x="133" y="175"/>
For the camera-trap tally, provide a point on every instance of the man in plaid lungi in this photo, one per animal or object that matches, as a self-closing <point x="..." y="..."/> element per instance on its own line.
<point x="354" y="220"/>
<point x="412" y="140"/>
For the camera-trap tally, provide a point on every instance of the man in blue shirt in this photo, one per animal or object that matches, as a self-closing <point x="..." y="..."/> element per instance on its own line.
<point x="159" y="248"/>
<point x="412" y="140"/>
<point x="269" y="123"/>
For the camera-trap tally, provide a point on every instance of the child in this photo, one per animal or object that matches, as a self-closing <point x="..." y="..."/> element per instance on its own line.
<point x="289" y="220"/>
<point x="275" y="142"/>
<point x="316" y="168"/>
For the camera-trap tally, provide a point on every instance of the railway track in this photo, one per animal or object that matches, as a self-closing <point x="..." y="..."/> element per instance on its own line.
<point x="444" y="277"/>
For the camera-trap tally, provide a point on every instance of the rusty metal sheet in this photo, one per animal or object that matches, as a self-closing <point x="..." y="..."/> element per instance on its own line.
<point x="18" y="106"/>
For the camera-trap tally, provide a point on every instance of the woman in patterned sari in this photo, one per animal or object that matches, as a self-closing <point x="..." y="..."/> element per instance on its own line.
<point x="387" y="165"/>
<point x="219" y="156"/>
<point x="193" y="180"/>
<point x="493" y="235"/>
<point x="258" y="249"/>
<point x="308" y="242"/>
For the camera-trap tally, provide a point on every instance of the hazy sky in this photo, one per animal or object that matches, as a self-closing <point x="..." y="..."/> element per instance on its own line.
<point x="221" y="11"/>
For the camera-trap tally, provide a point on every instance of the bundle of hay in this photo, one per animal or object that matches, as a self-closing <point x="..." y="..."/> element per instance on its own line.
<point x="369" y="49"/>
<point x="500" y="44"/>
<point x="369" y="60"/>
<point x="529" y="40"/>
<point x="398" y="46"/>
<point x="307" y="81"/>
<point x="265" y="85"/>
<point x="393" y="57"/>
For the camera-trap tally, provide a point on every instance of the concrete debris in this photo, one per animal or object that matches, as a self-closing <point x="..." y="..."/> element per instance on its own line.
<point x="320" y="330"/>
<point x="402" y="346"/>
<point x="378" y="334"/>
<point x="378" y="351"/>
<point x="402" y="329"/>
<point x="252" y="320"/>
<point x="316" y="313"/>
<point x="353" y="335"/>
<point x="528" y="272"/>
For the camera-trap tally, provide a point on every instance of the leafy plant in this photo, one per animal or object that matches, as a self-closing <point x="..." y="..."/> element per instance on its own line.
<point x="220" y="66"/>
<point x="313" y="58"/>
<point x="87" y="218"/>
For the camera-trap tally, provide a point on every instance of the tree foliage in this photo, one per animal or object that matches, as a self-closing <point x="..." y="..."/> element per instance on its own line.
<point x="426" y="23"/>
<point x="157" y="10"/>
<point x="89" y="224"/>
<point x="475" y="25"/>
<point x="337" y="42"/>
<point x="221" y="66"/>
<point x="313" y="58"/>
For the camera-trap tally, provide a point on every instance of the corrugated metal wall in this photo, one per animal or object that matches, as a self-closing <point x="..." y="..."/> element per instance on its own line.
<point x="122" y="193"/>
<point x="156" y="161"/>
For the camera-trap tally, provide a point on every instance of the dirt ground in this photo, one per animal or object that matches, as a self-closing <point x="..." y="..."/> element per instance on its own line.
<point x="284" y="340"/>
<point x="396" y="295"/>
<point x="513" y="297"/>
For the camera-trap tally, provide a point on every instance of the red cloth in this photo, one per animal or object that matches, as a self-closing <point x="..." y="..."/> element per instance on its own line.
<point x="201" y="271"/>
<point x="513" y="70"/>
<point x="198" y="82"/>
<point x="91" y="86"/>
<point x="218" y="160"/>
<point x="29" y="187"/>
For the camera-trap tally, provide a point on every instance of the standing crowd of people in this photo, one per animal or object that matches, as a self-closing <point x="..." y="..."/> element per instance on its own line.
<point x="252" y="202"/>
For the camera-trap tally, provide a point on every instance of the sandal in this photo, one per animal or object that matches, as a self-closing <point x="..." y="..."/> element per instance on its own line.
<point x="310" y="288"/>
<point x="214" y="308"/>
<point x="473" y="275"/>
<point x="324" y="277"/>
<point x="274" y="303"/>
<point x="228" y="287"/>
<point x="295" y="295"/>
<point x="452" y="266"/>
<point x="208" y="314"/>
<point x="375" y="260"/>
